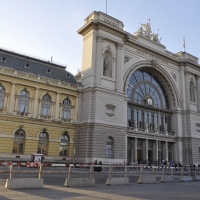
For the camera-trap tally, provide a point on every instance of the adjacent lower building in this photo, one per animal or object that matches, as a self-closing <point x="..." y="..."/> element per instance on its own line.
<point x="38" y="108"/>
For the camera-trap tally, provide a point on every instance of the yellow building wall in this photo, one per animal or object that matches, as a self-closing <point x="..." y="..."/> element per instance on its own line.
<point x="10" y="122"/>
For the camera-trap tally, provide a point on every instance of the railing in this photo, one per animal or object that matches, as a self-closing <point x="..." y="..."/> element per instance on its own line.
<point x="150" y="131"/>
<point x="111" y="170"/>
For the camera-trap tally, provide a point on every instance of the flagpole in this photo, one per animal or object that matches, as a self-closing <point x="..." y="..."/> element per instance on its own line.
<point x="184" y="43"/>
<point x="106" y="6"/>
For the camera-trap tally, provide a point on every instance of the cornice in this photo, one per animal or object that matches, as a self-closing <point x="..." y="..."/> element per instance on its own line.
<point x="31" y="121"/>
<point x="98" y="24"/>
<point x="44" y="81"/>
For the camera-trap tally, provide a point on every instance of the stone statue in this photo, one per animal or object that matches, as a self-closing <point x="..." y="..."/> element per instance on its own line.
<point x="156" y="127"/>
<point x="165" y="128"/>
<point x="140" y="30"/>
<point x="106" y="66"/>
<point x="146" y="126"/>
<point x="135" y="123"/>
<point x="147" y="32"/>
<point x="129" y="123"/>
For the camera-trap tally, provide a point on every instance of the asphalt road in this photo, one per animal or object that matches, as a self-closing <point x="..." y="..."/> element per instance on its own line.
<point x="54" y="189"/>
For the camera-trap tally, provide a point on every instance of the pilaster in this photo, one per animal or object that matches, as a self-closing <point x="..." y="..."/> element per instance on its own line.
<point x="11" y="104"/>
<point x="98" y="72"/>
<point x="118" y="71"/>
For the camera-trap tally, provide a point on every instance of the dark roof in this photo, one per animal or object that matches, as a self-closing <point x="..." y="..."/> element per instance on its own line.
<point x="36" y="66"/>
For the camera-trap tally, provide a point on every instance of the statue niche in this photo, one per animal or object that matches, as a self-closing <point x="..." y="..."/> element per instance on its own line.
<point x="107" y="64"/>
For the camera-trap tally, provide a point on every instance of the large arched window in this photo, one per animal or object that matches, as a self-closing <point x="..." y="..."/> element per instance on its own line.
<point x="43" y="143"/>
<point x="2" y="93"/>
<point x="109" y="147"/>
<point x="64" y="144"/>
<point x="23" y="102"/>
<point x="46" y="105"/>
<point x="192" y="91"/>
<point x="66" y="109"/>
<point x="19" y="140"/>
<point x="148" y="106"/>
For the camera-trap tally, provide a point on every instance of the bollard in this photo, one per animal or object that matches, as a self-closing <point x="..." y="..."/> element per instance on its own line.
<point x="69" y="173"/>
<point x="153" y="170"/>
<point x="172" y="171"/>
<point x="11" y="169"/>
<point x="195" y="172"/>
<point x="188" y="171"/>
<point x="91" y="171"/>
<point x="40" y="172"/>
<point x="141" y="172"/>
<point x="110" y="169"/>
<point x="182" y="172"/>
<point x="125" y="172"/>
<point x="163" y="172"/>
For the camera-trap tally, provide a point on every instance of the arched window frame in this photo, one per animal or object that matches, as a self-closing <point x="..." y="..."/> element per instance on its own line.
<point x="110" y="147"/>
<point x="66" y="109"/>
<point x="23" y="102"/>
<point x="192" y="91"/>
<point x="43" y="143"/>
<point x="2" y="96"/>
<point x="64" y="144"/>
<point x="19" y="141"/>
<point x="46" y="105"/>
<point x="151" y="98"/>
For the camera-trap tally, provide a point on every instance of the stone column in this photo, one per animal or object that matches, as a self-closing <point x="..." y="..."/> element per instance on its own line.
<point x="60" y="109"/>
<point x="146" y="147"/>
<point x="99" y="64"/>
<point x="39" y="107"/>
<point x="136" y="158"/>
<point x="16" y="104"/>
<point x="187" y="90"/>
<point x="132" y="153"/>
<point x="182" y="88"/>
<point x="166" y="151"/>
<point x="57" y="105"/>
<point x="5" y="102"/>
<point x="198" y="92"/>
<point x="35" y="105"/>
<point x="157" y="151"/>
<point x="52" y="110"/>
<point x="118" y="67"/>
<point x="12" y="93"/>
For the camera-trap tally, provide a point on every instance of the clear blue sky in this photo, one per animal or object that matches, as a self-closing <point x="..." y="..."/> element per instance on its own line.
<point x="45" y="28"/>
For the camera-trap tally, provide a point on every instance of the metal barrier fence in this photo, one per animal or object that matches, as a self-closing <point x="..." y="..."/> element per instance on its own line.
<point x="111" y="170"/>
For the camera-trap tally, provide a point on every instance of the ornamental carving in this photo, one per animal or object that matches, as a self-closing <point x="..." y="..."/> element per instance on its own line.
<point x="174" y="76"/>
<point x="110" y="110"/>
<point x="126" y="59"/>
<point x="99" y="38"/>
<point x="154" y="63"/>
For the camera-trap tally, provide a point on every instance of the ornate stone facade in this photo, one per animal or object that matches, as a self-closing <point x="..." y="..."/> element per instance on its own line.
<point x="156" y="94"/>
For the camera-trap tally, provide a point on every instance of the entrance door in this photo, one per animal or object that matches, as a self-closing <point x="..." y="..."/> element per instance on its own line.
<point x="139" y="155"/>
<point x="150" y="156"/>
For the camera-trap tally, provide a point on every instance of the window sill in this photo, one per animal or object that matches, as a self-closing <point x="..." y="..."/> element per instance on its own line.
<point x="108" y="78"/>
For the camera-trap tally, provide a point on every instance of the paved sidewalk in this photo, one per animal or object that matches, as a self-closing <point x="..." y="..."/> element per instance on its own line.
<point x="133" y="191"/>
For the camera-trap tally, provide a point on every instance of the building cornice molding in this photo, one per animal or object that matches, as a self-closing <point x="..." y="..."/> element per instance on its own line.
<point x="34" y="78"/>
<point x="125" y="36"/>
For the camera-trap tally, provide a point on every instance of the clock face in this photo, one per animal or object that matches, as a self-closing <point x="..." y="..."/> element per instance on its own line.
<point x="149" y="101"/>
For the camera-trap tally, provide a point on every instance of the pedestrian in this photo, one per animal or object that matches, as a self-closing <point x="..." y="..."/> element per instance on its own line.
<point x="175" y="165"/>
<point x="95" y="168"/>
<point x="99" y="168"/>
